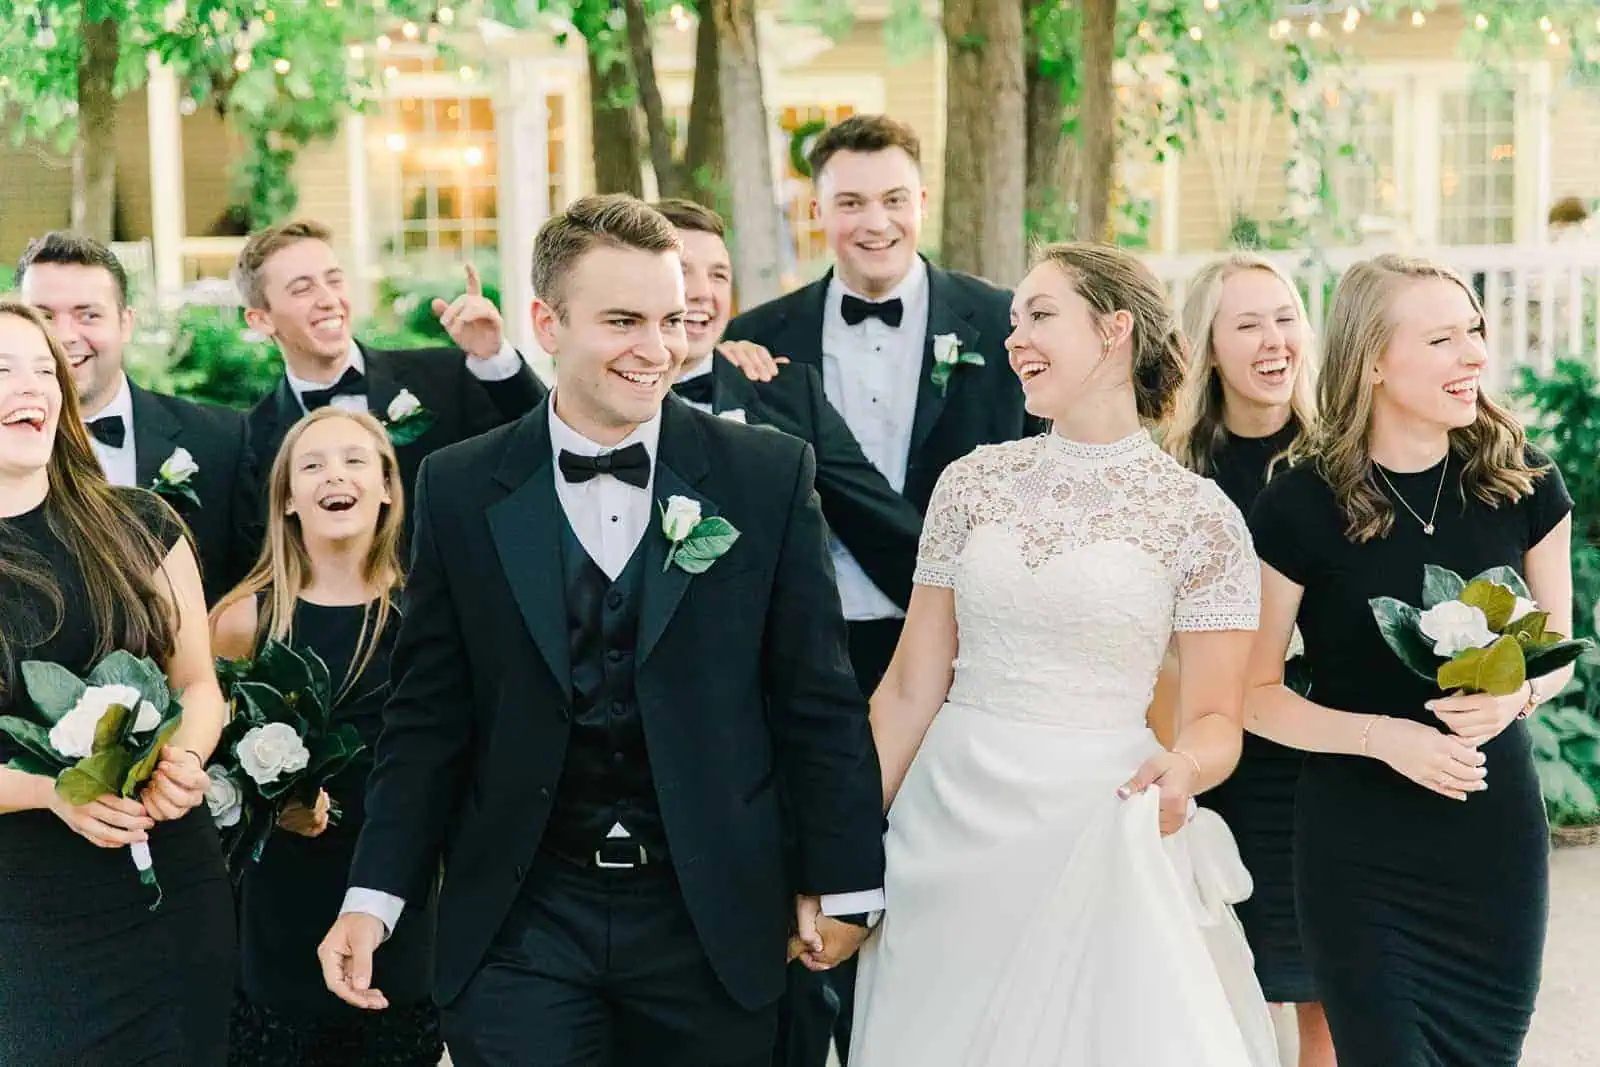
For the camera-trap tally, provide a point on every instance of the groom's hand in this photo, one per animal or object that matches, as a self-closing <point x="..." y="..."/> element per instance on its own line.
<point x="819" y="942"/>
<point x="346" y="957"/>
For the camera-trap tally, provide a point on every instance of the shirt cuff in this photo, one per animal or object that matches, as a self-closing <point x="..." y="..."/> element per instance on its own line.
<point x="868" y="900"/>
<point x="382" y="906"/>
<point x="498" y="367"/>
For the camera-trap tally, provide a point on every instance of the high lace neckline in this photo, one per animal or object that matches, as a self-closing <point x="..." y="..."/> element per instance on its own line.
<point x="1134" y="444"/>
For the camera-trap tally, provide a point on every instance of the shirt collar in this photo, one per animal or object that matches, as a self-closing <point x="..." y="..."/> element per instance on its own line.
<point x="564" y="437"/>
<point x="121" y="405"/>
<point x="353" y="359"/>
<point x="704" y="367"/>
<point x="909" y="291"/>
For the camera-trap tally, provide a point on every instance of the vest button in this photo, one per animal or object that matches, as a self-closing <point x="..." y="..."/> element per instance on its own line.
<point x="614" y="600"/>
<point x="615" y="655"/>
<point x="617" y="757"/>
<point x="544" y="793"/>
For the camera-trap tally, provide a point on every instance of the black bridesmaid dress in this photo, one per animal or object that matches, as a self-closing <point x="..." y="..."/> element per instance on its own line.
<point x="89" y="975"/>
<point x="1257" y="801"/>
<point x="284" y="1015"/>
<point x="1423" y="918"/>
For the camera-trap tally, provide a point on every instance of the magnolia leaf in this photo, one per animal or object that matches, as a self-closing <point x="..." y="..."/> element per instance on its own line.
<point x="142" y="764"/>
<point x="28" y="763"/>
<point x="94" y="776"/>
<point x="1502" y="670"/>
<point x="1462" y="670"/>
<point x="114" y="725"/>
<point x="53" y="689"/>
<point x="940" y="377"/>
<point x="407" y="430"/>
<point x="1547" y="658"/>
<point x="1400" y="625"/>
<point x="1496" y="601"/>
<point x="707" y="542"/>
<point x="1530" y="629"/>
<point x="1440" y="584"/>
<point x="35" y="739"/>
<point x="1507" y="577"/>
<point x="333" y="754"/>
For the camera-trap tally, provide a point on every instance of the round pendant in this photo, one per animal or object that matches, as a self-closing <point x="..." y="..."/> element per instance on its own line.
<point x="1428" y="529"/>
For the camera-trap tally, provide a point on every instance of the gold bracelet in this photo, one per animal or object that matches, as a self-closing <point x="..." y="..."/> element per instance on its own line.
<point x="1533" y="700"/>
<point x="1366" y="733"/>
<point x="1198" y="773"/>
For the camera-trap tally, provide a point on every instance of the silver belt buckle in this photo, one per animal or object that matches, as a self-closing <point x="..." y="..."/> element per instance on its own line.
<point x="644" y="860"/>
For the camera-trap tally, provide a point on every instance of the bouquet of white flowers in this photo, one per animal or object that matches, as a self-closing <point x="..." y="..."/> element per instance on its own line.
<point x="279" y="745"/>
<point x="97" y="736"/>
<point x="1482" y="636"/>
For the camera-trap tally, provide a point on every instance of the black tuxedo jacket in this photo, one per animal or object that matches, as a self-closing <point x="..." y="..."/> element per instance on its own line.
<point x="743" y="682"/>
<point x="878" y="525"/>
<point x="462" y="405"/>
<point x="227" y="536"/>
<point x="980" y="406"/>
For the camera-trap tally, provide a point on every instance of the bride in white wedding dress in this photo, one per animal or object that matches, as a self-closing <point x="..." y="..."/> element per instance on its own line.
<point x="1050" y="903"/>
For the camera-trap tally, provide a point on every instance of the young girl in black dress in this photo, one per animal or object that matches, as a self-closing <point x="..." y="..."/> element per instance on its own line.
<point x="1421" y="846"/>
<point x="89" y="974"/>
<point x="1249" y="395"/>
<point x="327" y="581"/>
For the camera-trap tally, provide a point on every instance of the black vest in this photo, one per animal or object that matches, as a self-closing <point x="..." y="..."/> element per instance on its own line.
<point x="606" y="777"/>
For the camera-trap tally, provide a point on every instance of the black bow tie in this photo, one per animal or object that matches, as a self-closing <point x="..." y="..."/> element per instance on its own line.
<point x="701" y="389"/>
<point x="350" y="383"/>
<point x="857" y="310"/>
<point x="630" y="465"/>
<point x="110" y="431"/>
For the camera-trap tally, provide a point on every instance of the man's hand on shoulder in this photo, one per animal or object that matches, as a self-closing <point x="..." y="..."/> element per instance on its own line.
<point x="758" y="364"/>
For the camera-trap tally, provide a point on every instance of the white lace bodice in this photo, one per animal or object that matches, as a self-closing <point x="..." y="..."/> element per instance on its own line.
<point x="1072" y="565"/>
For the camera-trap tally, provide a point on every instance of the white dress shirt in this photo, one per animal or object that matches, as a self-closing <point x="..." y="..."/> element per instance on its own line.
<point x="699" y="370"/>
<point x="871" y="373"/>
<point x="498" y="367"/>
<point x="121" y="465"/>
<point x="609" y="517"/>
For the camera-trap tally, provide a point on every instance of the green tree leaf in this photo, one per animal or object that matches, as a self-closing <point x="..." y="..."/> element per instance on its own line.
<point x="1440" y="584"/>
<point x="53" y="689"/>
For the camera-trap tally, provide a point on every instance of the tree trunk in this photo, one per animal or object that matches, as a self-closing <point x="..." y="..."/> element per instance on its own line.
<point x="748" y="158"/>
<point x="94" y="158"/>
<point x="669" y="180"/>
<point x="1049" y="176"/>
<point x="702" y="157"/>
<point x="985" y="124"/>
<point x="1097" y="120"/>
<point x="618" y="167"/>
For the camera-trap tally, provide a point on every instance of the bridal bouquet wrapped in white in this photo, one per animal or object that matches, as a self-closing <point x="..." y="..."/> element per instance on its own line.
<point x="99" y="735"/>
<point x="280" y="745"/>
<point x="1482" y="636"/>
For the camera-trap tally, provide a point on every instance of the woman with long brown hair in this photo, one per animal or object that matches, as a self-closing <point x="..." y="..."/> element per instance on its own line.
<point x="1420" y="837"/>
<point x="327" y="581"/>
<point x="1248" y="398"/>
<point x="90" y="972"/>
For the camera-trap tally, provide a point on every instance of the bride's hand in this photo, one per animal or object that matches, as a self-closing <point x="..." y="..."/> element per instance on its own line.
<point x="1435" y="760"/>
<point x="1176" y="776"/>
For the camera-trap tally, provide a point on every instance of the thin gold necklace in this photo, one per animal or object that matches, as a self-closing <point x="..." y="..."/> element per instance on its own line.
<point x="1427" y="526"/>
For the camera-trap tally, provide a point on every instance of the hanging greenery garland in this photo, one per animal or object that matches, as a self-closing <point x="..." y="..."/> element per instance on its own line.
<point x="800" y="142"/>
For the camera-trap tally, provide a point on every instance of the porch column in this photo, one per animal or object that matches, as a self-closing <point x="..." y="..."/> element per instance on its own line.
<point x="168" y="223"/>
<point x="521" y="126"/>
<point x="363" y="265"/>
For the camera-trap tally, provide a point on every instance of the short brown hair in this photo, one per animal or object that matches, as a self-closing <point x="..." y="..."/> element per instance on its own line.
<point x="615" y="220"/>
<point x="262" y="246"/>
<point x="863" y="133"/>
<point x="688" y="215"/>
<point x="74" y="250"/>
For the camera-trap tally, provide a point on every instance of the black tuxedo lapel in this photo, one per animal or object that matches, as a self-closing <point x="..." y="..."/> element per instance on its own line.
<point x="731" y="390"/>
<point x="801" y="336"/>
<point x="947" y="313"/>
<point x="155" y="435"/>
<point x="288" y="412"/>
<point x="526" y="528"/>
<point x="681" y="465"/>
<point x="382" y="385"/>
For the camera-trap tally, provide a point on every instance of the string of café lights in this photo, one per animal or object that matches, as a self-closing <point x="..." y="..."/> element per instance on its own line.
<point x="1351" y="19"/>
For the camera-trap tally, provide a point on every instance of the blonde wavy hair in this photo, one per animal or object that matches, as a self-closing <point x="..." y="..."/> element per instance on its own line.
<point x="1198" y="428"/>
<point x="1360" y="327"/>
<point x="284" y="568"/>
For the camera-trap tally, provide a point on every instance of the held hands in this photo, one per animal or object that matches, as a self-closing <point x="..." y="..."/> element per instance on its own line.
<point x="178" y="785"/>
<point x="819" y="942"/>
<point x="1448" y="765"/>
<point x="307" y="822"/>
<point x="758" y="364"/>
<point x="1174" y="774"/>
<point x="110" y="822"/>
<point x="1479" y="717"/>
<point x="472" y="321"/>
<point x="346" y="958"/>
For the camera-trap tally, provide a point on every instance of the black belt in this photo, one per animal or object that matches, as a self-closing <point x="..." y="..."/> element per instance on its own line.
<point x="614" y="854"/>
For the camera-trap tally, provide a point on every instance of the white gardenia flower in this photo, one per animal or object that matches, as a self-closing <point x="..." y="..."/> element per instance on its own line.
<point x="683" y="514"/>
<point x="402" y="405"/>
<point x="179" y="467"/>
<point x="148" y="719"/>
<point x="946" y="348"/>
<point x="1453" y="626"/>
<point x="270" y="751"/>
<point x="224" y="798"/>
<point x="1522" y="608"/>
<point x="73" y="736"/>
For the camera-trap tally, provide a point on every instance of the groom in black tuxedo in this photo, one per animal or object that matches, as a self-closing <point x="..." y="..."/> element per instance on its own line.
<point x="297" y="295"/>
<point x="596" y="706"/>
<point x="914" y="358"/>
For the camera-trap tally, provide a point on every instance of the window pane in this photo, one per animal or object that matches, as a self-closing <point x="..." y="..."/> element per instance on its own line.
<point x="1478" y="161"/>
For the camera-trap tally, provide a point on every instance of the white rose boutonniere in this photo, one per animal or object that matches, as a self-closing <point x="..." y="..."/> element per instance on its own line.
<point x="175" y="476"/>
<point x="733" y="415"/>
<point x="947" y="356"/>
<point x="272" y="750"/>
<point x="696" y="543"/>
<point x="224" y="798"/>
<point x="406" y="418"/>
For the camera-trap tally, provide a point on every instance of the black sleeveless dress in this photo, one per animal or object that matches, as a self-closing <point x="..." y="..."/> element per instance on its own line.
<point x="284" y="1015"/>
<point x="89" y="975"/>
<point x="1257" y="800"/>
<point x="1423" y="918"/>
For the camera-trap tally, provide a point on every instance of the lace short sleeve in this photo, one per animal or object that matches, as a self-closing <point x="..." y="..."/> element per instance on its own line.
<point x="944" y="531"/>
<point x="1220" y="587"/>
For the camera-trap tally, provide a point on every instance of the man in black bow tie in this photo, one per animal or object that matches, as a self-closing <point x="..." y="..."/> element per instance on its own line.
<point x="914" y="358"/>
<point x="296" y="294"/>
<point x="621" y="645"/>
<point x="195" y="455"/>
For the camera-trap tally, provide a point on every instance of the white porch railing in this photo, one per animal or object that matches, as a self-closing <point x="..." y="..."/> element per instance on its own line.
<point x="1541" y="302"/>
